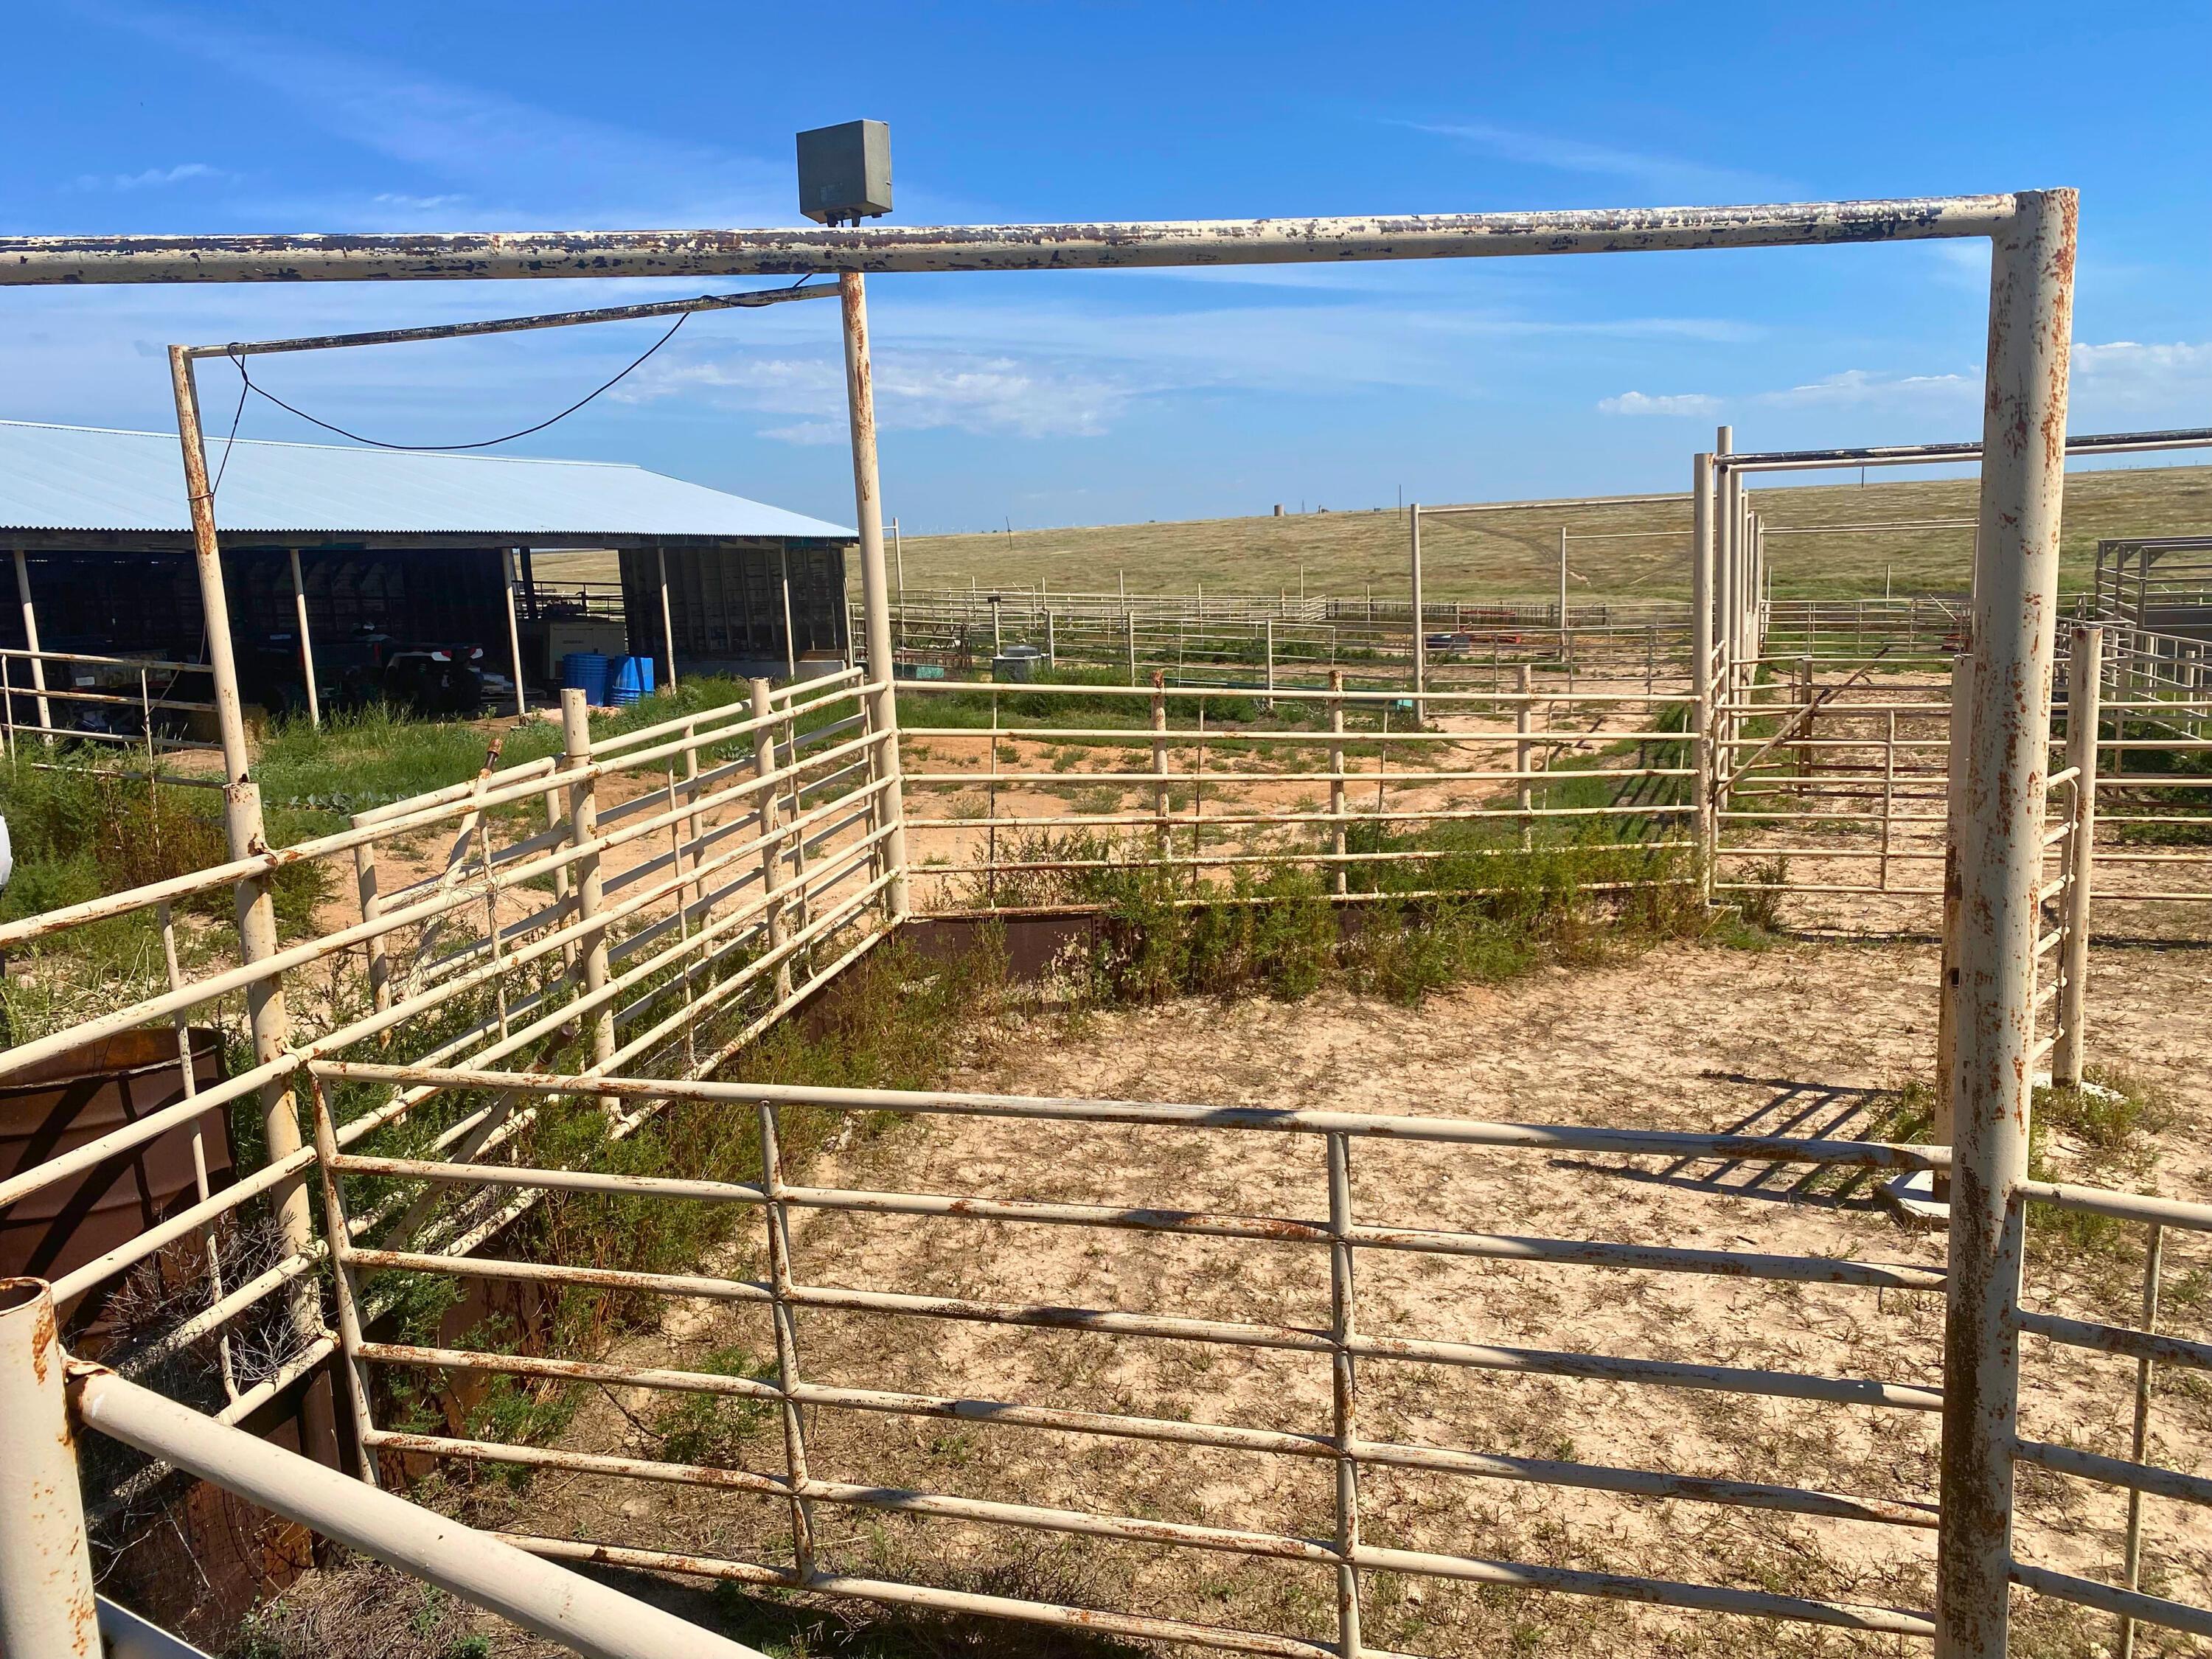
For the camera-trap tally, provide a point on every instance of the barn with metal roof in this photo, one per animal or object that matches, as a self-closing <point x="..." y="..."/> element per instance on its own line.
<point x="420" y="548"/>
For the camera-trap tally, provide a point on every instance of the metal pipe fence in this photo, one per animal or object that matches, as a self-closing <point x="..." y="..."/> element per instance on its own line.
<point x="538" y="983"/>
<point x="737" y="863"/>
<point x="1020" y="810"/>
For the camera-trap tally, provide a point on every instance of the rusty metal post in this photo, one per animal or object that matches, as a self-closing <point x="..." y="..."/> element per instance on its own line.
<point x="875" y="594"/>
<point x="31" y="644"/>
<point x="47" y="1602"/>
<point x="1420" y="631"/>
<point x="247" y="836"/>
<point x="1702" y="599"/>
<point x="1959" y="726"/>
<point x="773" y="842"/>
<point x="591" y="889"/>
<point x="1336" y="790"/>
<point x="2001" y="868"/>
<point x="2084" y="712"/>
<point x="306" y="644"/>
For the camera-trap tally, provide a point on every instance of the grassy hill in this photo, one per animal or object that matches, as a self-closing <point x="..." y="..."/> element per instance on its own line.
<point x="1516" y="551"/>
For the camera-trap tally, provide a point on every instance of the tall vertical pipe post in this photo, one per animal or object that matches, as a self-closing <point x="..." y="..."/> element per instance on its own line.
<point x="2015" y="615"/>
<point x="875" y="588"/>
<point x="246" y="837"/>
<point x="1701" y="664"/>
<point x="47" y="1602"/>
<point x="2084" y="711"/>
<point x="1959" y="729"/>
<point x="1420" y="632"/>
<point x="31" y="643"/>
<point x="306" y="644"/>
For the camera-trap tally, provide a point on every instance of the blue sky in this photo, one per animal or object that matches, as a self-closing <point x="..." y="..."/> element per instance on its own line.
<point x="1075" y="397"/>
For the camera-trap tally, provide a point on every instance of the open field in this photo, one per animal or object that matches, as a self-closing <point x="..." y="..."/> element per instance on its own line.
<point x="1515" y="552"/>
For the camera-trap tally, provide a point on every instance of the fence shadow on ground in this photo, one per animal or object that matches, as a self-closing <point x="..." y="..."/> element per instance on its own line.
<point x="1798" y="1108"/>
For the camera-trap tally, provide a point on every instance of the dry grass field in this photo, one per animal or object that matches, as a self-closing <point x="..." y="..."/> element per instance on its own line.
<point x="1515" y="551"/>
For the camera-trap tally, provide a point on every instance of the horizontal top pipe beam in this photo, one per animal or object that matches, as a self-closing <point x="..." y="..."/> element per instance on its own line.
<point x="1809" y="460"/>
<point x="1466" y="507"/>
<point x="689" y="254"/>
<point x="517" y="325"/>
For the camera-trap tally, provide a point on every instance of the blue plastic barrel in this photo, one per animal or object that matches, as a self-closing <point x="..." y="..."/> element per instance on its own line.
<point x="587" y="672"/>
<point x="632" y="678"/>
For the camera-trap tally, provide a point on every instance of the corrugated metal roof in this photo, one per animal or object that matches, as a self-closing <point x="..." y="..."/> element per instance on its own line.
<point x="89" y="478"/>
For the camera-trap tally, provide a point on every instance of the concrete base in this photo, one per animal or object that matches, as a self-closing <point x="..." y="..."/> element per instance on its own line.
<point x="1912" y="1196"/>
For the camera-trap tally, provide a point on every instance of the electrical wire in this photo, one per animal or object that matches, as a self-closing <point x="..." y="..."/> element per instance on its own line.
<point x="238" y="362"/>
<point x="236" y="414"/>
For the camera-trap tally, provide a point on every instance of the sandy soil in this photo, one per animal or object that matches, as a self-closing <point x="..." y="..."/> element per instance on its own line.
<point x="1799" y="1038"/>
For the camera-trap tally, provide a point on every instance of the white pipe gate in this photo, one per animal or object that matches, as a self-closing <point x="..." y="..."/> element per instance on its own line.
<point x="1999" y="812"/>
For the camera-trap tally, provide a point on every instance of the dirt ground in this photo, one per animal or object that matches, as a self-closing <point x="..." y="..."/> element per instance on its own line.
<point x="1799" y="1038"/>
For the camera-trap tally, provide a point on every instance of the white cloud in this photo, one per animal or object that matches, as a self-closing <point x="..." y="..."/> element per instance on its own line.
<point x="1660" y="173"/>
<point x="1857" y="386"/>
<point x="2124" y="374"/>
<point x="152" y="178"/>
<point x="416" y="203"/>
<point x="516" y="156"/>
<point x="915" y="390"/>
<point x="807" y="432"/>
<point x="1682" y="403"/>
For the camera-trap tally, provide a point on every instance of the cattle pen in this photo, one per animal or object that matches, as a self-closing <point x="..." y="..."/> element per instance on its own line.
<point x="607" y="930"/>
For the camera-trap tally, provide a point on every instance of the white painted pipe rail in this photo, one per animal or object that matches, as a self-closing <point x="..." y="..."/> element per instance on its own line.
<point x="588" y="1617"/>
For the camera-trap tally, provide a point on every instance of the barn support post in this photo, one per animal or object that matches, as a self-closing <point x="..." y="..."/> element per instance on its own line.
<point x="509" y="562"/>
<point x="790" y="638"/>
<point x="1420" y="634"/>
<point x="2015" y="614"/>
<point x="247" y="837"/>
<point x="2085" y="666"/>
<point x="31" y="644"/>
<point x="306" y="644"/>
<point x="47" y="1603"/>
<point x="875" y="596"/>
<point x="1701" y="665"/>
<point x="667" y="621"/>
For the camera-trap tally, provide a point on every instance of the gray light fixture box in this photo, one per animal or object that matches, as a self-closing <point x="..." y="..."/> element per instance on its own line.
<point x="845" y="172"/>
